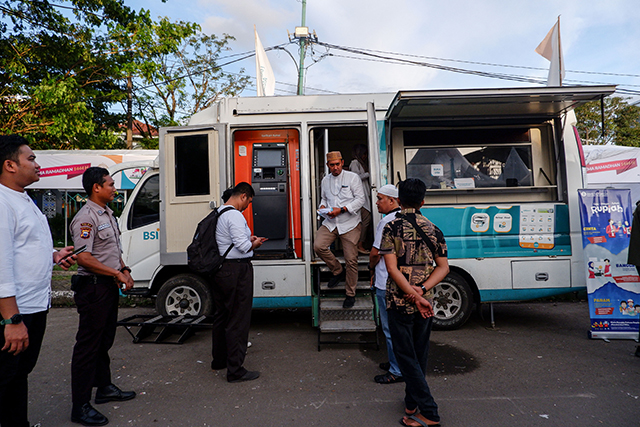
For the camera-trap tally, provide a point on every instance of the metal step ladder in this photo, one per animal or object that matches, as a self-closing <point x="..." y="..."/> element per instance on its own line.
<point x="344" y="323"/>
<point x="163" y="327"/>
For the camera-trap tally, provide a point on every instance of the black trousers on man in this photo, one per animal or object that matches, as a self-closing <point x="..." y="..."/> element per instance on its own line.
<point x="97" y="304"/>
<point x="232" y="290"/>
<point x="14" y="370"/>
<point x="410" y="335"/>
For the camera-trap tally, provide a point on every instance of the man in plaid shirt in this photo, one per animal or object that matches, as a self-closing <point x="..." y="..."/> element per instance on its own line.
<point x="415" y="266"/>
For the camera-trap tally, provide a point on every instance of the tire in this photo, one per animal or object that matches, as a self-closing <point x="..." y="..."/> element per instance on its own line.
<point x="184" y="294"/>
<point x="452" y="302"/>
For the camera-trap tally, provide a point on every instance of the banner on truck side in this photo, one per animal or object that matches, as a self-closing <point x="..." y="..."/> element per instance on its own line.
<point x="613" y="286"/>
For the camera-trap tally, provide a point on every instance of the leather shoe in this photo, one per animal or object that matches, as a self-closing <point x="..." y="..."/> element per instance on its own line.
<point x="349" y="302"/>
<point x="249" y="376"/>
<point x="111" y="393"/>
<point x="335" y="280"/>
<point x="87" y="416"/>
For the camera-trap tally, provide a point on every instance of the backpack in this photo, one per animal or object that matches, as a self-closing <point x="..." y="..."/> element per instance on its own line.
<point x="203" y="255"/>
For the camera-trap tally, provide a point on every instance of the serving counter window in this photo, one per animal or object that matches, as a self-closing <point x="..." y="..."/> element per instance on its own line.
<point x="481" y="164"/>
<point x="471" y="167"/>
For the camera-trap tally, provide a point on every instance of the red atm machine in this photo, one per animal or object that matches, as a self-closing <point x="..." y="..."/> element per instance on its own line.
<point x="270" y="161"/>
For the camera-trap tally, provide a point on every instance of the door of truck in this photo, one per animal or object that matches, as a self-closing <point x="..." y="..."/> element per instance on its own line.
<point x="192" y="162"/>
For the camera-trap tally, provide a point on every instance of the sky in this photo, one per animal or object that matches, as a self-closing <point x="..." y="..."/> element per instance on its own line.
<point x="600" y="40"/>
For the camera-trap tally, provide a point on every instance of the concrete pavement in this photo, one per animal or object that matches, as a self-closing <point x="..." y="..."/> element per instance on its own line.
<point x="537" y="368"/>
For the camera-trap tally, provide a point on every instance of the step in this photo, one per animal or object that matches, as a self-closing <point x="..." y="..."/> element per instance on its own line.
<point x="347" y="326"/>
<point x="361" y="285"/>
<point x="332" y="317"/>
<point x="335" y="304"/>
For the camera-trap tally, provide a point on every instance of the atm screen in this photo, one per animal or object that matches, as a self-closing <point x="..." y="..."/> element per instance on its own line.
<point x="269" y="158"/>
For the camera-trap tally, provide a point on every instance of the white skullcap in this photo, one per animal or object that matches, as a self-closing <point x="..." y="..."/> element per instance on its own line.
<point x="389" y="190"/>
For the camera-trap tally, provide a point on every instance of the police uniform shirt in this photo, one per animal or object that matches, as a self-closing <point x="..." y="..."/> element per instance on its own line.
<point x="96" y="227"/>
<point x="26" y="252"/>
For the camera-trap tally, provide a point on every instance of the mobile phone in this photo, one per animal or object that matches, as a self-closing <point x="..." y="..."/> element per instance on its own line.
<point x="75" y="252"/>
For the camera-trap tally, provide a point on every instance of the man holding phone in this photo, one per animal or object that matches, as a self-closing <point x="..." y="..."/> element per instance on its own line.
<point x="26" y="251"/>
<point x="232" y="287"/>
<point x="101" y="272"/>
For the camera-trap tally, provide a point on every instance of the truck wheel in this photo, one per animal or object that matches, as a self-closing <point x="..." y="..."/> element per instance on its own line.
<point x="452" y="302"/>
<point x="184" y="294"/>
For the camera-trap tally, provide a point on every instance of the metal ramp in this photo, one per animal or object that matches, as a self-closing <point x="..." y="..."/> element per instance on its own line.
<point x="158" y="329"/>
<point x="343" y="324"/>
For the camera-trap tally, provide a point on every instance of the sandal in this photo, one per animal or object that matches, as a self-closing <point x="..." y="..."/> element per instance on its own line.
<point x="418" y="420"/>
<point x="388" y="378"/>
<point x="408" y="411"/>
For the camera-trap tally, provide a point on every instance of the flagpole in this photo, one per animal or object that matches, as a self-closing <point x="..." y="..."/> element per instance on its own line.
<point x="303" y="47"/>
<point x="559" y="55"/>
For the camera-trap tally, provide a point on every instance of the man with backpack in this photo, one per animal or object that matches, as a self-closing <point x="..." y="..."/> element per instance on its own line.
<point x="232" y="286"/>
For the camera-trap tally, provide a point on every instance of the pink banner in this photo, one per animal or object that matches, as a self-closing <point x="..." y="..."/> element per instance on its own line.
<point x="70" y="170"/>
<point x="619" y="166"/>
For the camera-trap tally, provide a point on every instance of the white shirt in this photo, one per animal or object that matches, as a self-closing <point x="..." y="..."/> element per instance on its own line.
<point x="26" y="252"/>
<point x="344" y="190"/>
<point x="233" y="228"/>
<point x="381" y="273"/>
<point x="357" y="168"/>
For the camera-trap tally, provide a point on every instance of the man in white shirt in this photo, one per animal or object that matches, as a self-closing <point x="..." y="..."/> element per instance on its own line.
<point x="388" y="205"/>
<point x="341" y="191"/>
<point x="26" y="251"/>
<point x="233" y="287"/>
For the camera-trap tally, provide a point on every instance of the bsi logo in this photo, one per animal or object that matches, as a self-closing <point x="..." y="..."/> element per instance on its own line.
<point x="151" y="235"/>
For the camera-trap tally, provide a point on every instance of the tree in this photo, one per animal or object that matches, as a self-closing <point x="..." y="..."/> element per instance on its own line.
<point x="621" y="122"/>
<point x="177" y="73"/>
<point x="64" y="68"/>
<point x="58" y="73"/>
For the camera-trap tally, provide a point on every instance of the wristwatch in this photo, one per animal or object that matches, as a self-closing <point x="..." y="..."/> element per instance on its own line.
<point x="125" y="268"/>
<point x="13" y="320"/>
<point x="343" y="209"/>
<point x="424" y="290"/>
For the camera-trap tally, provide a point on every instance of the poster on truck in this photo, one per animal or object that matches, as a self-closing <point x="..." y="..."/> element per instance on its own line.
<point x="63" y="169"/>
<point x="613" y="286"/>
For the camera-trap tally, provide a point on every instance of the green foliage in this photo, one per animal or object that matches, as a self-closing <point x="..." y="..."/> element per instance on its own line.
<point x="177" y="64"/>
<point x="64" y="66"/>
<point x="621" y="122"/>
<point x="59" y="76"/>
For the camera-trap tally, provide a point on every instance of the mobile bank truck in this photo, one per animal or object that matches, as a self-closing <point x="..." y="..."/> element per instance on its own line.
<point x="502" y="168"/>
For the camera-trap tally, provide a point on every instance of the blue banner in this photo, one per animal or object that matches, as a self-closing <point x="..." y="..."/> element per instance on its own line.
<point x="613" y="286"/>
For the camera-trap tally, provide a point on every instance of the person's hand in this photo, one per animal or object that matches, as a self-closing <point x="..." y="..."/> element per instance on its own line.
<point x="128" y="283"/>
<point x="424" y="307"/>
<point x="59" y="257"/>
<point x="334" y="213"/>
<point x="124" y="279"/>
<point x="256" y="241"/>
<point x="16" y="338"/>
<point x="410" y="298"/>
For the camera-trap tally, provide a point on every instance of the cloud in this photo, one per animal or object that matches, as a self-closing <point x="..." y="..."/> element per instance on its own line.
<point x="596" y="36"/>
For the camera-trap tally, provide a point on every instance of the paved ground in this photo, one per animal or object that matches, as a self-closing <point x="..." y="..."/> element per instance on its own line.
<point x="537" y="368"/>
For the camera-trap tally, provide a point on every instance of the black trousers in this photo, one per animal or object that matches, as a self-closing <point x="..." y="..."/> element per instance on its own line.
<point x="97" y="304"/>
<point x="232" y="289"/>
<point x="410" y="335"/>
<point x="14" y="370"/>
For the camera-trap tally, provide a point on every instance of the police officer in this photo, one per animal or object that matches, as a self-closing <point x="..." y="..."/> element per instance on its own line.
<point x="101" y="271"/>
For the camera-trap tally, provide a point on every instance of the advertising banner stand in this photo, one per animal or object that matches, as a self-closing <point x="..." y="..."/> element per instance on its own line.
<point x="613" y="286"/>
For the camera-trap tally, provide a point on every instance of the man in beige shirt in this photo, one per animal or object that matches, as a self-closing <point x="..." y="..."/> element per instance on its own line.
<point x="101" y="272"/>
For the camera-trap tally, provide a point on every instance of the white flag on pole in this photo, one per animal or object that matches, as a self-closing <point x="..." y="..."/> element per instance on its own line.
<point x="265" y="80"/>
<point x="551" y="49"/>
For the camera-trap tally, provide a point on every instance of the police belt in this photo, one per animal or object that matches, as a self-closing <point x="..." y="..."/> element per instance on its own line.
<point x="237" y="260"/>
<point x="95" y="279"/>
